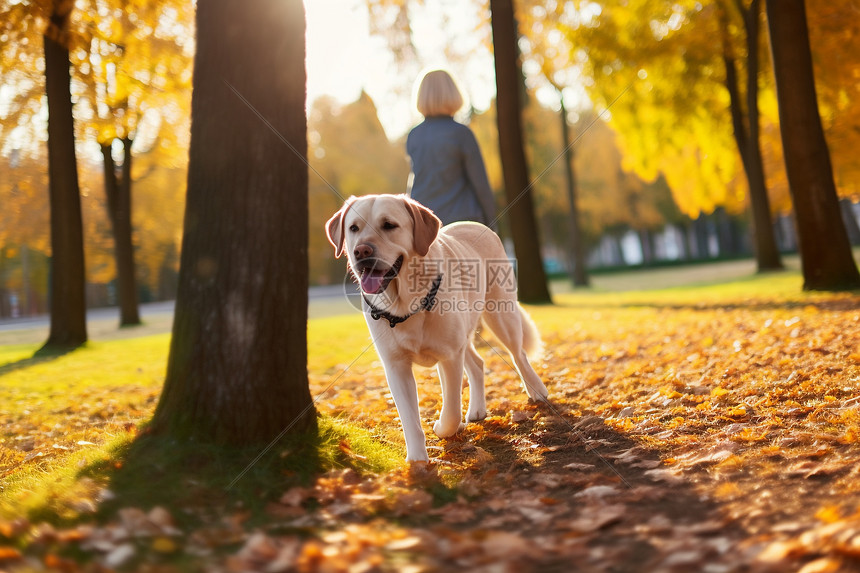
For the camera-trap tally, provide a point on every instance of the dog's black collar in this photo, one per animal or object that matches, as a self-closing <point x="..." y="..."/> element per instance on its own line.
<point x="427" y="303"/>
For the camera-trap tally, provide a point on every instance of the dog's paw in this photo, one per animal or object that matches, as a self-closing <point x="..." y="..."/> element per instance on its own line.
<point x="476" y="416"/>
<point x="544" y="399"/>
<point x="447" y="430"/>
<point x="417" y="456"/>
<point x="537" y="393"/>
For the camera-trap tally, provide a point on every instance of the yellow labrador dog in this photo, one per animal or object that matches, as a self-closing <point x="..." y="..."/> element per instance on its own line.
<point x="424" y="290"/>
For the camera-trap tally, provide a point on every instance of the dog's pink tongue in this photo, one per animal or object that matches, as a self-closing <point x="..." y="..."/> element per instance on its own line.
<point x="371" y="281"/>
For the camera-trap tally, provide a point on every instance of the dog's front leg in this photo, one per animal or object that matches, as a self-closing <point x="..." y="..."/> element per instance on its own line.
<point x="401" y="383"/>
<point x="451" y="376"/>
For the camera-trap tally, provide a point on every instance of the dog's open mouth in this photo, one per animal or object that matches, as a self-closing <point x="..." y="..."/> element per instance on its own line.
<point x="374" y="275"/>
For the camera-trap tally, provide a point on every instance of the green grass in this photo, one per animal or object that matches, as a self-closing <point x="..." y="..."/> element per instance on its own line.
<point x="73" y="425"/>
<point x="770" y="290"/>
<point x="16" y="352"/>
<point x="742" y="288"/>
<point x="159" y="471"/>
<point x="146" y="471"/>
<point x="332" y="343"/>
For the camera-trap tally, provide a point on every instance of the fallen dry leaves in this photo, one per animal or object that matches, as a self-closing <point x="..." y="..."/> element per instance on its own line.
<point x="713" y="438"/>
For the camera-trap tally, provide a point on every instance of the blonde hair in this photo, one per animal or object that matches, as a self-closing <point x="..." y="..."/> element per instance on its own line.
<point x="438" y="94"/>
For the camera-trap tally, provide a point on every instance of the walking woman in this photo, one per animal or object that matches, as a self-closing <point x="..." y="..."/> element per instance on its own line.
<point x="448" y="173"/>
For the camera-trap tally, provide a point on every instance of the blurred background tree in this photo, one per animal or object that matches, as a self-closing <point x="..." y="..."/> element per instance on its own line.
<point x="135" y="72"/>
<point x="131" y="73"/>
<point x="826" y="259"/>
<point x="349" y="154"/>
<point x="519" y="205"/>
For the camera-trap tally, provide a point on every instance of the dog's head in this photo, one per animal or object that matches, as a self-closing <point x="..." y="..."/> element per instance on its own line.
<point x="379" y="232"/>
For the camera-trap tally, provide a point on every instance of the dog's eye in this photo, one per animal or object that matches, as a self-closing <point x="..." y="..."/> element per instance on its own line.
<point x="353" y="228"/>
<point x="388" y="225"/>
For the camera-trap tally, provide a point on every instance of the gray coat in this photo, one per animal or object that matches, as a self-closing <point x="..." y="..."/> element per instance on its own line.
<point x="449" y="175"/>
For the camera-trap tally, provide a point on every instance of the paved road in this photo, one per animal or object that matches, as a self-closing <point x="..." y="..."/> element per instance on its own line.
<point x="147" y="311"/>
<point x="332" y="300"/>
<point x="157" y="317"/>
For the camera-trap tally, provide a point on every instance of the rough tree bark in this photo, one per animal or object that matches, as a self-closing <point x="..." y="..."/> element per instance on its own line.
<point x="67" y="289"/>
<point x="118" y="192"/>
<point x="237" y="371"/>
<point x="826" y="259"/>
<point x="530" y="273"/>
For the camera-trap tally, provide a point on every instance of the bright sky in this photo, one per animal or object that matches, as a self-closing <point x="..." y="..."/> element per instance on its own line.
<point x="343" y="58"/>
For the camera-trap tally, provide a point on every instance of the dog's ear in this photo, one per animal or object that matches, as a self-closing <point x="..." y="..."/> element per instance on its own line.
<point x="426" y="226"/>
<point x="334" y="228"/>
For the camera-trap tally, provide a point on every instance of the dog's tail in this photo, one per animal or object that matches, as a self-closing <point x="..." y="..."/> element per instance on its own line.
<point x="532" y="343"/>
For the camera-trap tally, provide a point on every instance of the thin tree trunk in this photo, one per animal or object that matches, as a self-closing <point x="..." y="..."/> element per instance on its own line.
<point x="725" y="233"/>
<point x="826" y="258"/>
<point x="530" y="272"/>
<point x="681" y="241"/>
<point x="5" y="302"/>
<point x="766" y="251"/>
<point x="850" y="221"/>
<point x="129" y="314"/>
<point x="67" y="289"/>
<point x="646" y="241"/>
<point x="747" y="136"/>
<point x="27" y="301"/>
<point x="577" y="249"/>
<point x="118" y="191"/>
<point x="237" y="371"/>
<point x="702" y="236"/>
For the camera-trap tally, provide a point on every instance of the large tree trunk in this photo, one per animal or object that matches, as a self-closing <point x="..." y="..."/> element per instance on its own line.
<point x="237" y="371"/>
<point x="748" y="138"/>
<point x="825" y="253"/>
<point x="67" y="289"/>
<point x="530" y="273"/>
<point x="118" y="191"/>
<point x="577" y="249"/>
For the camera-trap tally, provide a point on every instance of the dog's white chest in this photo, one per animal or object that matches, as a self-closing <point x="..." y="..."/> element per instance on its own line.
<point x="409" y="340"/>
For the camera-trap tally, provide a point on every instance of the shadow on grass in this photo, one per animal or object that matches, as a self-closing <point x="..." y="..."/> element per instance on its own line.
<point x="576" y="459"/>
<point x="556" y="456"/>
<point x="193" y="480"/>
<point x="41" y="356"/>
<point x="201" y="483"/>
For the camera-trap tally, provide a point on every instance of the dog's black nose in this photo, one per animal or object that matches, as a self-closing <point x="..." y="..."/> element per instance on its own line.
<point x="363" y="251"/>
